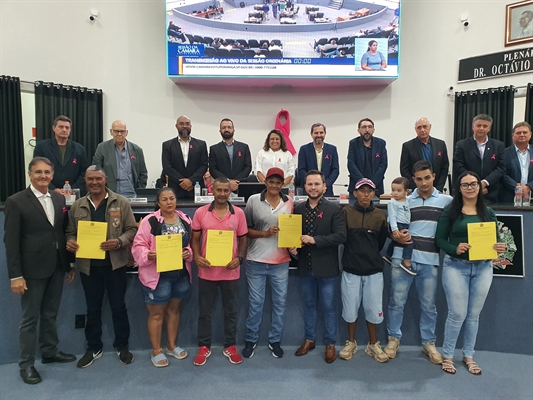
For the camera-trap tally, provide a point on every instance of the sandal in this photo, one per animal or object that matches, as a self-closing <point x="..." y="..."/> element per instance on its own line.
<point x="159" y="360"/>
<point x="448" y="367"/>
<point x="473" y="368"/>
<point x="178" y="353"/>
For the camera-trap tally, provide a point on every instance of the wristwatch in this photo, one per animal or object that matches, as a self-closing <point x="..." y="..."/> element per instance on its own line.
<point x="241" y="260"/>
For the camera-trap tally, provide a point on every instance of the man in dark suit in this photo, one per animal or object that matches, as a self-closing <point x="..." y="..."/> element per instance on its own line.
<point x="184" y="160"/>
<point x="122" y="161"/>
<point x="428" y="148"/>
<point x="324" y="229"/>
<point x="518" y="162"/>
<point x="482" y="155"/>
<point x="69" y="158"/>
<point x="229" y="158"/>
<point x="367" y="157"/>
<point x="35" y="221"/>
<point x="319" y="156"/>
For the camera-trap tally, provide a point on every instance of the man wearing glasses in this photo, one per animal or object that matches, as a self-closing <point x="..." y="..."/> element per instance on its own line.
<point x="122" y="161"/>
<point x="367" y="157"/>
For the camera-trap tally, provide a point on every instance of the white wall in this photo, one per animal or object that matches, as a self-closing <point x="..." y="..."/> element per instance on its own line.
<point x="124" y="52"/>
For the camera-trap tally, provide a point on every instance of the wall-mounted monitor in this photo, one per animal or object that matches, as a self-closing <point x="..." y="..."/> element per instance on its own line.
<point x="284" y="39"/>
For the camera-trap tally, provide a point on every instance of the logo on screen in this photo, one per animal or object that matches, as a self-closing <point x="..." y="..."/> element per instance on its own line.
<point x="191" y="50"/>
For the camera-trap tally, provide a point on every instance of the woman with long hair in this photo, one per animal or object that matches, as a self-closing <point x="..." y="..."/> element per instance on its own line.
<point x="466" y="283"/>
<point x="275" y="154"/>
<point x="373" y="60"/>
<point x="163" y="292"/>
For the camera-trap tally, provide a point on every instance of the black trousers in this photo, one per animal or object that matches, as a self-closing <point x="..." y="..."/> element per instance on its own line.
<point x="100" y="280"/>
<point x="40" y="304"/>
<point x="207" y="295"/>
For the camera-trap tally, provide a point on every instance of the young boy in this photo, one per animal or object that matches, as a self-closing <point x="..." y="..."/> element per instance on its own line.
<point x="399" y="216"/>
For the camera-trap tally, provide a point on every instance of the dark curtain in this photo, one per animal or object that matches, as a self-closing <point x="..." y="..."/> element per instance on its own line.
<point x="529" y="104"/>
<point x="12" y="176"/>
<point x="496" y="102"/>
<point x="83" y="106"/>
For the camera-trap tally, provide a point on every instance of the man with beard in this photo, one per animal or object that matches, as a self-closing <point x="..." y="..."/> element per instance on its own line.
<point x="229" y="158"/>
<point x="367" y="157"/>
<point x="319" y="156"/>
<point x="324" y="229"/>
<point x="184" y="160"/>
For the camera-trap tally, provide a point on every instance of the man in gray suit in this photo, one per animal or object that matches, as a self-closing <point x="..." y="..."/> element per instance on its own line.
<point x="122" y="161"/>
<point x="518" y="163"/>
<point x="35" y="221"/>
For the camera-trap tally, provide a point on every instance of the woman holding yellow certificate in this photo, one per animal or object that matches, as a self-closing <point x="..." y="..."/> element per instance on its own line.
<point x="466" y="279"/>
<point x="164" y="291"/>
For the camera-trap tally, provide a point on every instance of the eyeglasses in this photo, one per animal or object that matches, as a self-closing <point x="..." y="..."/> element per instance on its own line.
<point x="366" y="127"/>
<point x="119" y="132"/>
<point x="473" y="185"/>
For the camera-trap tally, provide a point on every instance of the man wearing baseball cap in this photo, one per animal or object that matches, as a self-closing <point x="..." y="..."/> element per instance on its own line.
<point x="362" y="275"/>
<point x="266" y="261"/>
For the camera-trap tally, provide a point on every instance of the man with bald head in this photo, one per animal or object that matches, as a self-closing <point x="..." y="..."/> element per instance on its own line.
<point x="184" y="160"/>
<point x="427" y="148"/>
<point x="122" y="161"/>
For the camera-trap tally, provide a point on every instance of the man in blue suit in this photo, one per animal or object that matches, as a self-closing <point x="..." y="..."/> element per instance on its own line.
<point x="367" y="157"/>
<point x="518" y="160"/>
<point x="319" y="156"/>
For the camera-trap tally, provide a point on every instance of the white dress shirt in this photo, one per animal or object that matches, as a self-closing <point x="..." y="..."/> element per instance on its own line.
<point x="279" y="159"/>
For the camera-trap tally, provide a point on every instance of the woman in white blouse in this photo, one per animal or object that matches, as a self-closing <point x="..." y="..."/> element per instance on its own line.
<point x="275" y="154"/>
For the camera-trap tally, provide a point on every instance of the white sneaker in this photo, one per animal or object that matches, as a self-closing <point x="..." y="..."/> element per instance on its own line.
<point x="349" y="350"/>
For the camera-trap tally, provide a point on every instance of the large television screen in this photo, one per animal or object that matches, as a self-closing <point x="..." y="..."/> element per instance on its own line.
<point x="283" y="38"/>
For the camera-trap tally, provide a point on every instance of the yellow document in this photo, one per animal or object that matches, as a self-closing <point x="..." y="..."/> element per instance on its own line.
<point x="90" y="236"/>
<point x="482" y="236"/>
<point x="290" y="230"/>
<point x="168" y="250"/>
<point x="219" y="248"/>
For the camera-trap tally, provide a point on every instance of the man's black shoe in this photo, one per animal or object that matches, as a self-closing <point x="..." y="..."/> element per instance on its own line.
<point x="60" y="357"/>
<point x="30" y="375"/>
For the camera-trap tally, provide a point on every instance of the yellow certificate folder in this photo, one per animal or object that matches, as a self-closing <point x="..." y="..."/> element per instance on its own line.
<point x="168" y="250"/>
<point x="219" y="247"/>
<point x="290" y="230"/>
<point x="90" y="236"/>
<point x="482" y="236"/>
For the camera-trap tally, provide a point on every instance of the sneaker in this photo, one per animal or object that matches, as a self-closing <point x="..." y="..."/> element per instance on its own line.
<point x="374" y="350"/>
<point x="349" y="350"/>
<point x="276" y="349"/>
<point x="88" y="358"/>
<point x="248" y="350"/>
<point x="387" y="259"/>
<point x="125" y="355"/>
<point x="408" y="269"/>
<point x="392" y="347"/>
<point x="431" y="351"/>
<point x="233" y="355"/>
<point x="202" y="355"/>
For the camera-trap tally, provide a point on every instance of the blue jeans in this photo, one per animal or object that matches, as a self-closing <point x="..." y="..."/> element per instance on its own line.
<point x="257" y="274"/>
<point x="426" y="286"/>
<point x="407" y="248"/>
<point x="466" y="284"/>
<point x="320" y="290"/>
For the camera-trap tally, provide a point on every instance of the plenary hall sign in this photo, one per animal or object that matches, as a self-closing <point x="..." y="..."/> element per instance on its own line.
<point x="497" y="64"/>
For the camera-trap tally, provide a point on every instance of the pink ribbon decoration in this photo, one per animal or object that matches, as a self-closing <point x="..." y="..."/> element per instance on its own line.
<point x="327" y="157"/>
<point x="377" y="155"/>
<point x="439" y="154"/>
<point x="493" y="157"/>
<point x="132" y="157"/>
<point x="283" y="124"/>
<point x="64" y="210"/>
<point x="239" y="154"/>
<point x="74" y="161"/>
<point x="321" y="214"/>
<point x="190" y="146"/>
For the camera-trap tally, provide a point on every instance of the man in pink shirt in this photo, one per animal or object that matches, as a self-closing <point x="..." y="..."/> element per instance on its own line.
<point x="219" y="215"/>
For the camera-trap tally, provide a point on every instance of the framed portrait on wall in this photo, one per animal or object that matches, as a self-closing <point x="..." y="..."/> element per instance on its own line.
<point x="511" y="232"/>
<point x="518" y="23"/>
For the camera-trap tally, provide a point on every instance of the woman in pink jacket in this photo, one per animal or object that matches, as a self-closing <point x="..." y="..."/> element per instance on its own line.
<point x="163" y="292"/>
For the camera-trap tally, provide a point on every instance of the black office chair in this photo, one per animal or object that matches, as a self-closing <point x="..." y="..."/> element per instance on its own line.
<point x="243" y="42"/>
<point x="208" y="41"/>
<point x="321" y="42"/>
<point x="198" y="39"/>
<point x="254" y="44"/>
<point x="277" y="42"/>
<point x="210" y="51"/>
<point x="236" y="53"/>
<point x="350" y="51"/>
<point x="248" y="53"/>
<point x="230" y="41"/>
<point x="343" y="41"/>
<point x="275" y="54"/>
<point x="190" y="38"/>
<point x="223" y="52"/>
<point x="262" y="41"/>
